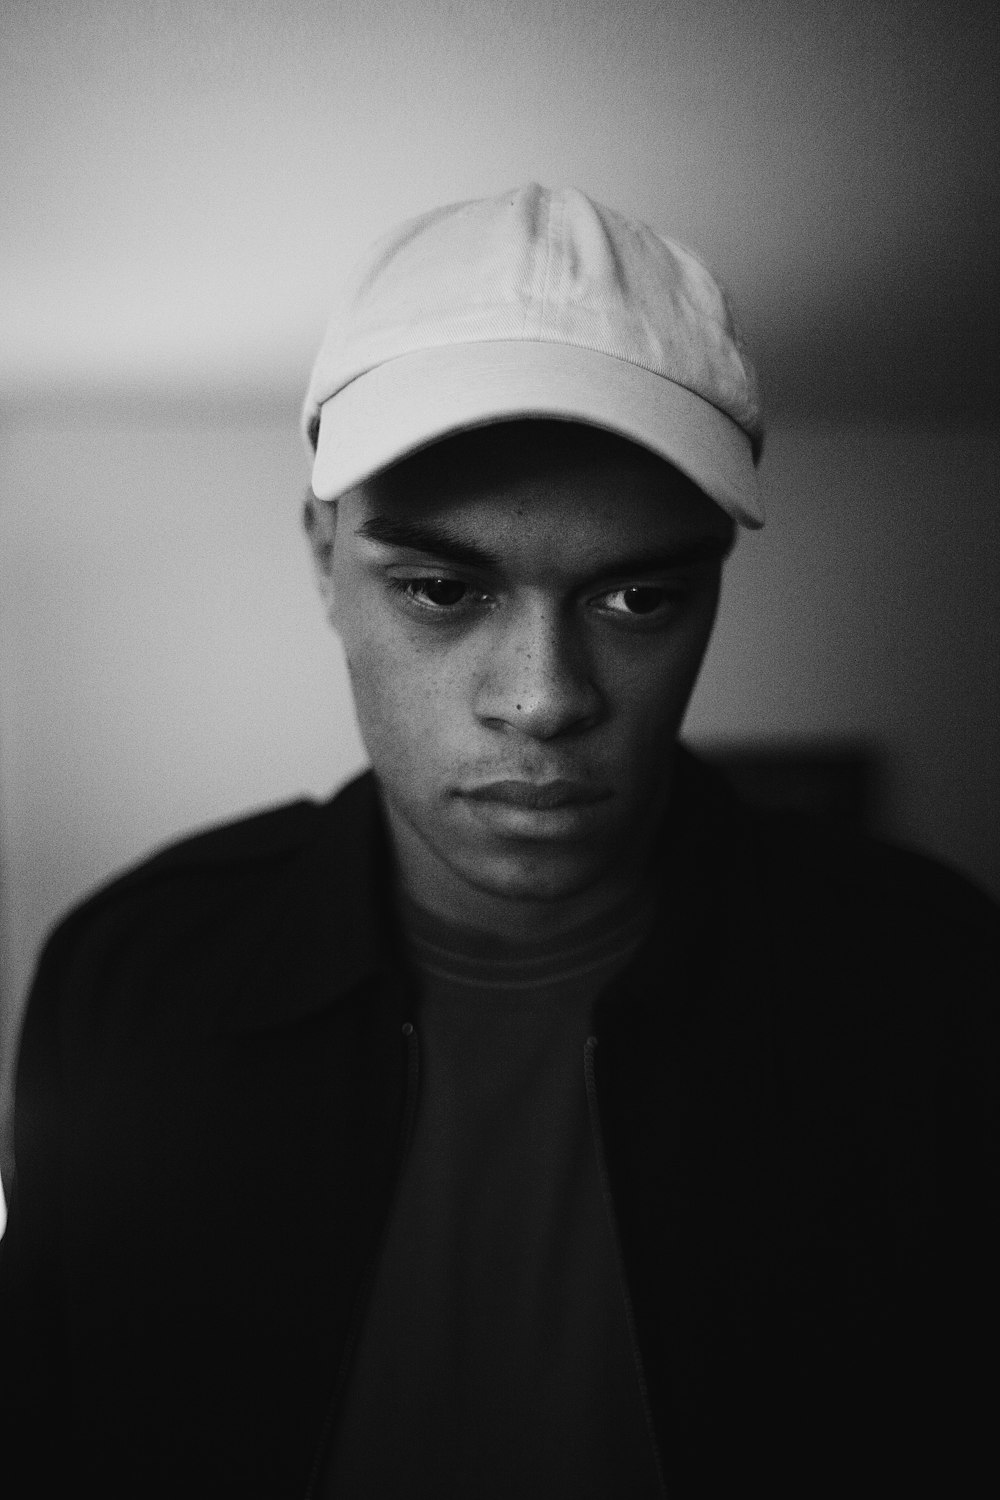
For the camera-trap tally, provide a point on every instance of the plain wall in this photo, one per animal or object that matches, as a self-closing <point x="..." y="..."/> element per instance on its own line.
<point x="165" y="662"/>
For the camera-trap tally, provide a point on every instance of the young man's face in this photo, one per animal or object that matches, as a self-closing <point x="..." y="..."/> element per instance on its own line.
<point x="524" y="611"/>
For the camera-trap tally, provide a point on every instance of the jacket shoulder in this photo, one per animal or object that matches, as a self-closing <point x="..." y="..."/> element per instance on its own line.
<point x="266" y="837"/>
<point x="814" y="896"/>
<point x="841" y="869"/>
<point x="210" y="891"/>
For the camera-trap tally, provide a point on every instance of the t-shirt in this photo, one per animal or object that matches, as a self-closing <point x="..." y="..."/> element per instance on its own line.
<point x="496" y="1359"/>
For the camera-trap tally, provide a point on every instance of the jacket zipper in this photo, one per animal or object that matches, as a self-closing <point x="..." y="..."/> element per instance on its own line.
<point x="589" y="1052"/>
<point x="361" y="1305"/>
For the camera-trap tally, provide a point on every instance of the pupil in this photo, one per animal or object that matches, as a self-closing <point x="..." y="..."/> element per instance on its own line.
<point x="444" y="590"/>
<point x="642" y="601"/>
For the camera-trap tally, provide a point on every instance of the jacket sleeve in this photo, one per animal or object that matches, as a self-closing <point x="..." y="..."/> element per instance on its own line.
<point x="33" y="1361"/>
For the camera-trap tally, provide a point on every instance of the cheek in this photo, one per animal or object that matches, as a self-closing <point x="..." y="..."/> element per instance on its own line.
<point x="650" y="690"/>
<point x="406" y="703"/>
<point x="689" y="647"/>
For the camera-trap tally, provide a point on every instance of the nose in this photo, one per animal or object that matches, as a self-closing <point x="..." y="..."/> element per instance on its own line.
<point x="538" y="679"/>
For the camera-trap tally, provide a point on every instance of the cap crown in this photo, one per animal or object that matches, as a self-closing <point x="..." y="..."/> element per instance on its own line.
<point x="536" y="303"/>
<point x="540" y="264"/>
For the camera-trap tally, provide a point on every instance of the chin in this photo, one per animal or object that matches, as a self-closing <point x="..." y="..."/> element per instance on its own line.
<point x="526" y="878"/>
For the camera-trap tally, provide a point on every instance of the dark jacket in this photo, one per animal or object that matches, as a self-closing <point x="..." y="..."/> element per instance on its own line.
<point x="797" y="1091"/>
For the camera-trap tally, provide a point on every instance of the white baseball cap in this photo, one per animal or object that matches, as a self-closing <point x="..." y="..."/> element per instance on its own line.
<point x="536" y="303"/>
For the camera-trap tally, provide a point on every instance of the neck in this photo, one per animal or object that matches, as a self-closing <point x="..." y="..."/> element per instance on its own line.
<point x="432" y="884"/>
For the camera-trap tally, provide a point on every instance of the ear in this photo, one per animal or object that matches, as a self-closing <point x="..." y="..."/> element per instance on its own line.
<point x="319" y="518"/>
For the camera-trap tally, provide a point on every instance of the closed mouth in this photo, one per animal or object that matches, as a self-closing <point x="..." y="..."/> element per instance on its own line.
<point x="538" y="796"/>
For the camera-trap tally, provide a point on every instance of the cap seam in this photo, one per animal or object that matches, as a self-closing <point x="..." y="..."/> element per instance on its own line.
<point x="555" y="205"/>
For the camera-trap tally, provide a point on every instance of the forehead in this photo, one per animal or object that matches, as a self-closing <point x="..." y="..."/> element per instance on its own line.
<point x="519" y="480"/>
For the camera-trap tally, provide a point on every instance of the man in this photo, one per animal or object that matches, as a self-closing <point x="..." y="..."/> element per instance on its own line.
<point x="531" y="1120"/>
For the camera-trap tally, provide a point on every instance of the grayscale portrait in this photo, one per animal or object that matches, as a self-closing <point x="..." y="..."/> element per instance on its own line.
<point x="498" y="736"/>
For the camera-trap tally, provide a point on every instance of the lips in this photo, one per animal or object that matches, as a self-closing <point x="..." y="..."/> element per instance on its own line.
<point x="538" y="796"/>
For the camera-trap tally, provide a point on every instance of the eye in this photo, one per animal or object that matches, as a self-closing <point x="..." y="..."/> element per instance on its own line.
<point x="443" y="593"/>
<point x="440" y="595"/>
<point x="638" y="600"/>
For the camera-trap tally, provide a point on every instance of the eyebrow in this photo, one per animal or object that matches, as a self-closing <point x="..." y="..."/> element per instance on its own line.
<point x="444" y="543"/>
<point x="428" y="536"/>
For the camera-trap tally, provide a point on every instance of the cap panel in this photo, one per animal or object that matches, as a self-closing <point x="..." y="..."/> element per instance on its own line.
<point x="459" y="274"/>
<point x="649" y="301"/>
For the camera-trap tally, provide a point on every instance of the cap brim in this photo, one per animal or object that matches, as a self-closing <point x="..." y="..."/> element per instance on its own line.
<point x="411" y="402"/>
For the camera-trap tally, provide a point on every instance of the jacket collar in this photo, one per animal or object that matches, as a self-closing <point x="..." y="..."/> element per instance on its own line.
<point x="325" y="924"/>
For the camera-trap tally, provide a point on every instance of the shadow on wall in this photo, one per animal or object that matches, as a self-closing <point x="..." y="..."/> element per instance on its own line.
<point x="841" y="783"/>
<point x="835" y="782"/>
